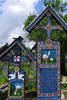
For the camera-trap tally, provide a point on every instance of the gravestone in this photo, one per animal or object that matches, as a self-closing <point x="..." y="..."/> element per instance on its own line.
<point x="15" y="55"/>
<point x="48" y="55"/>
<point x="48" y="70"/>
<point x="16" y="78"/>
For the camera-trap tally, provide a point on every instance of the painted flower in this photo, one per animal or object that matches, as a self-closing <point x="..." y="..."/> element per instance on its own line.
<point x="51" y="59"/>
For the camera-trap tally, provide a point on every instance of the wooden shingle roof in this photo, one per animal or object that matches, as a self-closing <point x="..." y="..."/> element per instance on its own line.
<point x="3" y="48"/>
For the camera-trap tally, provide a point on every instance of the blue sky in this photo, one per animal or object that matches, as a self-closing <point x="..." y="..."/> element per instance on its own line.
<point x="39" y="6"/>
<point x="13" y="14"/>
<point x="1" y="3"/>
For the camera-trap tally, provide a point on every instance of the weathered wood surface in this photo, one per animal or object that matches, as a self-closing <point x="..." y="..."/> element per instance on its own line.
<point x="3" y="91"/>
<point x="5" y="69"/>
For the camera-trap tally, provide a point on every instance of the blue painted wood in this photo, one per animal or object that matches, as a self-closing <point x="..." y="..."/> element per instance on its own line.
<point x="16" y="77"/>
<point x="48" y="74"/>
<point x="43" y="14"/>
<point x="22" y="46"/>
<point x="48" y="27"/>
<point x="48" y="80"/>
<point x="49" y="98"/>
<point x="49" y="20"/>
<point x="28" y="52"/>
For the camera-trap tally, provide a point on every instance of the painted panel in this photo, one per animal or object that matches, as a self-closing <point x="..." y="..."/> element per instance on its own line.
<point x="16" y="80"/>
<point x="48" y="70"/>
<point x="48" y="56"/>
<point x="48" y="80"/>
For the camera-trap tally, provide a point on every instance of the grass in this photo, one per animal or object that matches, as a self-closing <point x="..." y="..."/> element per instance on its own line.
<point x="64" y="86"/>
<point x="49" y="61"/>
<point x="3" y="80"/>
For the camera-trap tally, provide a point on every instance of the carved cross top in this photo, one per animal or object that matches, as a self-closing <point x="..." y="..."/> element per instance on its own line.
<point x="48" y="27"/>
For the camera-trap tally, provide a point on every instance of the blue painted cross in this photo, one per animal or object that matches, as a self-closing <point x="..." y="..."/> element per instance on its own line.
<point x="48" y="27"/>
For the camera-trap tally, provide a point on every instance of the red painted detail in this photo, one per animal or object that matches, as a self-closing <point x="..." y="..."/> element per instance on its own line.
<point x="16" y="58"/>
<point x="48" y="27"/>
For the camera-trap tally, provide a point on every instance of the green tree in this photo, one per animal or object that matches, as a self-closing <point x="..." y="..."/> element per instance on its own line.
<point x="58" y="5"/>
<point x="29" y="83"/>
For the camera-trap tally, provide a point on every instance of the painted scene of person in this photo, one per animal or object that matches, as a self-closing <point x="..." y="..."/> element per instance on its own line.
<point x="48" y="56"/>
<point x="16" y="89"/>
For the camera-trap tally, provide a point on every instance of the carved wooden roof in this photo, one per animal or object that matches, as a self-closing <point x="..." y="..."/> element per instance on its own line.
<point x="21" y="45"/>
<point x="43" y="14"/>
<point x="3" y="48"/>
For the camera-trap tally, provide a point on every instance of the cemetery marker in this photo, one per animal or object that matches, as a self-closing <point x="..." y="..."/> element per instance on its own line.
<point x="48" y="56"/>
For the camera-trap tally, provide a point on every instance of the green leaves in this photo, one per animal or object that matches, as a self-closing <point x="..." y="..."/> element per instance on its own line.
<point x="3" y="80"/>
<point x="30" y="77"/>
<point x="29" y="20"/>
<point x="57" y="5"/>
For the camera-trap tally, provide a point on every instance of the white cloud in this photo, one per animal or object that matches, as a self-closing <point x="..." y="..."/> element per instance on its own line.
<point x="16" y="9"/>
<point x="30" y="44"/>
<point x="14" y="15"/>
<point x="64" y="0"/>
<point x="15" y="34"/>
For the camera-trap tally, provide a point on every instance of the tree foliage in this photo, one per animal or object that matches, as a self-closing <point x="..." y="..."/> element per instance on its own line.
<point x="58" y="5"/>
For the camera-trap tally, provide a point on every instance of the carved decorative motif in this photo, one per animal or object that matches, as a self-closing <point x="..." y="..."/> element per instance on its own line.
<point x="48" y="27"/>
